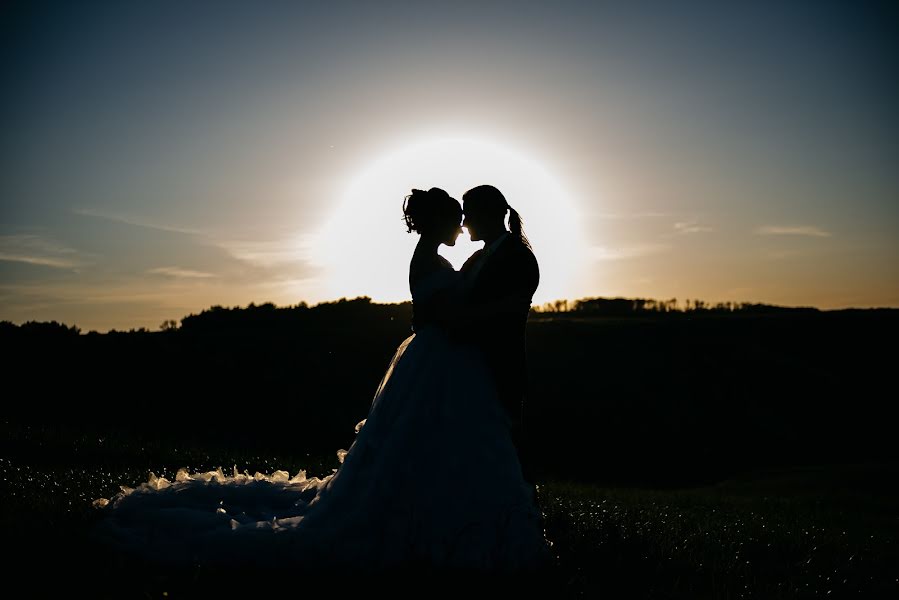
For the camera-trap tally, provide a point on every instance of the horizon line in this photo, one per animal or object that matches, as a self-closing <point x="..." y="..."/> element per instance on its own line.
<point x="677" y="304"/>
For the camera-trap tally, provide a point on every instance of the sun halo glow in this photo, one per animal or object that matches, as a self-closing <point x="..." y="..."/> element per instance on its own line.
<point x="365" y="249"/>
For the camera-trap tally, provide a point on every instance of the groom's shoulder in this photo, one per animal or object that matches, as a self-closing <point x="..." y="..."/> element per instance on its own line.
<point x="520" y="250"/>
<point x="525" y="263"/>
<point x="471" y="259"/>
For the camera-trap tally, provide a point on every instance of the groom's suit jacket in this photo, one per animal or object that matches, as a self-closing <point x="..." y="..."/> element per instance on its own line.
<point x="510" y="271"/>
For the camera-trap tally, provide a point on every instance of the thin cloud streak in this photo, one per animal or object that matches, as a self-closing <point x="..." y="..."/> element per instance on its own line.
<point x="180" y="273"/>
<point x="38" y="250"/>
<point x="806" y="230"/>
<point x="686" y="227"/>
<point x="51" y="294"/>
<point x="602" y="253"/>
<point x="89" y="212"/>
<point x="271" y="253"/>
<point x="637" y="215"/>
<point x="40" y="260"/>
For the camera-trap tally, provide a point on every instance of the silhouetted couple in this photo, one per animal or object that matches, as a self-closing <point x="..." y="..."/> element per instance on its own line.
<point x="433" y="478"/>
<point x="442" y="449"/>
<point x="488" y="306"/>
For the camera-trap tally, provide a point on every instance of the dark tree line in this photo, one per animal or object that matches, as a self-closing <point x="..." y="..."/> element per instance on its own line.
<point x="661" y="399"/>
<point x="624" y="307"/>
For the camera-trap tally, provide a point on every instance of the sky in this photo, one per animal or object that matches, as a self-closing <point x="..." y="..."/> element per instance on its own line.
<point x="159" y="158"/>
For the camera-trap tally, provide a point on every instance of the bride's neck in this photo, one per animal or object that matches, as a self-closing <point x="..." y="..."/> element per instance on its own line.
<point x="427" y="246"/>
<point x="424" y="259"/>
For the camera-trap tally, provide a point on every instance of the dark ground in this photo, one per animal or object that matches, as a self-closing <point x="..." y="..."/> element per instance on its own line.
<point x="680" y="456"/>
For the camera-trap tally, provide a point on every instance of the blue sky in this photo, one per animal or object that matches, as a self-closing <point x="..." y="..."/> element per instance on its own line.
<point x="162" y="157"/>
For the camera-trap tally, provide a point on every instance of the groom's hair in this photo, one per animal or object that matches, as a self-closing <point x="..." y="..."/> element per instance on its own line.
<point x="486" y="199"/>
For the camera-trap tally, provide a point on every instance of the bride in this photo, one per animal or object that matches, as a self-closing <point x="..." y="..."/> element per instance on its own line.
<point x="432" y="479"/>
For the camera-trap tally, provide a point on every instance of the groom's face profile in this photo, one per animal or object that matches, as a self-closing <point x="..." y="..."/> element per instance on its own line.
<point x="471" y="223"/>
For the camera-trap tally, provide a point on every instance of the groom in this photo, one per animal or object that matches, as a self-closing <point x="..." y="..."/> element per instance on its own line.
<point x="502" y="278"/>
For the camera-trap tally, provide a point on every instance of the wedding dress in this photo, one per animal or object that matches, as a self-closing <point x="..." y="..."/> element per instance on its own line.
<point x="432" y="479"/>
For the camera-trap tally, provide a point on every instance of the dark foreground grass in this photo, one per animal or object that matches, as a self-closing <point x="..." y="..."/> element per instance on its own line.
<point x="788" y="534"/>
<point x="829" y="532"/>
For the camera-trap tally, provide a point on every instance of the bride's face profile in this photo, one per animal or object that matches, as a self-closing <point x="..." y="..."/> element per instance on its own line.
<point x="449" y="229"/>
<point x="452" y="230"/>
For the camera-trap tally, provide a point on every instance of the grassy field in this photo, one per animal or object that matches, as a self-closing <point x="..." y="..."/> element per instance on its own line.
<point x="792" y="533"/>
<point x="788" y="534"/>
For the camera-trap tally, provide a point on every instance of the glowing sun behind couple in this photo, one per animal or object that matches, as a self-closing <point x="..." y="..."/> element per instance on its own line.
<point x="439" y="473"/>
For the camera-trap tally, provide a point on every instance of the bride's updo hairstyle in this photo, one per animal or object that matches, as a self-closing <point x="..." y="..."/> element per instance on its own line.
<point x="427" y="211"/>
<point x="488" y="200"/>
